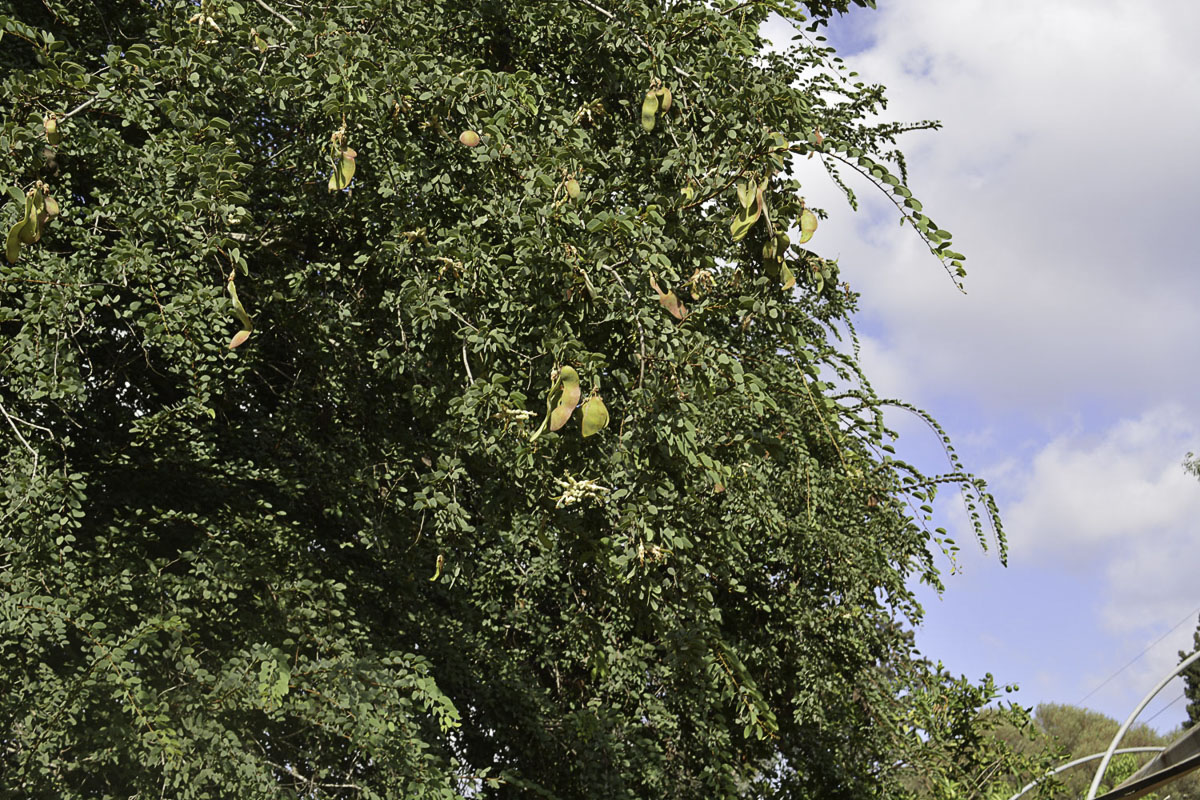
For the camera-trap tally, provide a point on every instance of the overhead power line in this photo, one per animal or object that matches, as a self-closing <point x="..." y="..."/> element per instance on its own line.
<point x="1191" y="615"/>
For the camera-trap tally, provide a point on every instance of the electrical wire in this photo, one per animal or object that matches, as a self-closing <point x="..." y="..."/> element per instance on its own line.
<point x="1164" y="708"/>
<point x="1104" y="683"/>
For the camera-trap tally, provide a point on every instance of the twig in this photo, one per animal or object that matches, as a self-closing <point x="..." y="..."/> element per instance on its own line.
<point x="270" y="10"/>
<point x="467" y="364"/>
<point x="78" y="108"/>
<point x="22" y="439"/>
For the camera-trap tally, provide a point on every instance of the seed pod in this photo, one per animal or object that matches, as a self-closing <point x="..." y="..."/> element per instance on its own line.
<point x="29" y="232"/>
<point x="52" y="209"/>
<point x="664" y="99"/>
<point x="808" y="225"/>
<point x="688" y="193"/>
<point x="344" y="171"/>
<point x="595" y="415"/>
<point x="786" y="278"/>
<point x="53" y="135"/>
<point x="573" y="189"/>
<point x="469" y="138"/>
<point x="569" y="379"/>
<point x="258" y="41"/>
<point x="239" y="311"/>
<point x="669" y="301"/>
<point x="745" y="218"/>
<point x="649" y="110"/>
<point x="12" y="250"/>
<point x="437" y="567"/>
<point x="745" y="193"/>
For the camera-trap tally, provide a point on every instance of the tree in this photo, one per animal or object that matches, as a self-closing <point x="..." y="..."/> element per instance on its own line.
<point x="1079" y="732"/>
<point x="345" y="551"/>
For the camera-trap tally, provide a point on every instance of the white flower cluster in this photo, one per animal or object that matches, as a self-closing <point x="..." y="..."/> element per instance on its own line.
<point x="576" y="490"/>
<point x="518" y="413"/>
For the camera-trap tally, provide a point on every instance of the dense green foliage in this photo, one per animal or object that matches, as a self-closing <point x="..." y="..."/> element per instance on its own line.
<point x="337" y="560"/>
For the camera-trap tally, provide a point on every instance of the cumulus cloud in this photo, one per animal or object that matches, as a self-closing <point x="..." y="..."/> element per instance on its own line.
<point x="1065" y="170"/>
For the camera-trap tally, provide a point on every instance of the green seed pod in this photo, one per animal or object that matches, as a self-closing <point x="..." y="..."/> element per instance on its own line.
<point x="595" y="415"/>
<point x="786" y="278"/>
<point x="573" y="189"/>
<point x="52" y="209"/>
<point x="469" y="138"/>
<point x="664" y="99"/>
<point x="53" y="134"/>
<point x="745" y="218"/>
<point x="344" y="171"/>
<point x="808" y="225"/>
<point x="12" y="249"/>
<point x="745" y="193"/>
<point x="29" y="232"/>
<point x="569" y="398"/>
<point x="239" y="311"/>
<point x="649" y="110"/>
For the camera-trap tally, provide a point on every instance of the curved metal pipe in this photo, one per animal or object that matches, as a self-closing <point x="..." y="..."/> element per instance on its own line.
<point x="1084" y="760"/>
<point x="1187" y="662"/>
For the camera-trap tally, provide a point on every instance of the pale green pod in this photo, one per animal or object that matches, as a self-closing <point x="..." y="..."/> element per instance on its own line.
<point x="568" y="400"/>
<point x="649" y="111"/>
<point x="595" y="415"/>
<point x="664" y="98"/>
<point x="808" y="225"/>
<point x="12" y="250"/>
<point x="344" y="171"/>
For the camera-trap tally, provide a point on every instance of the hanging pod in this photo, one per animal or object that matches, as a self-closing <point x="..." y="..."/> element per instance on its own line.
<point x="12" y="249"/>
<point x="569" y="379"/>
<point x="564" y="382"/>
<point x="573" y="189"/>
<point x="239" y="311"/>
<point x="29" y="230"/>
<point x="595" y="415"/>
<point x="469" y="138"/>
<point x="786" y="278"/>
<point x="808" y="225"/>
<point x="745" y="218"/>
<point x="649" y="110"/>
<point x="344" y="171"/>
<point x="664" y="98"/>
<point x="669" y="301"/>
<point x="53" y="134"/>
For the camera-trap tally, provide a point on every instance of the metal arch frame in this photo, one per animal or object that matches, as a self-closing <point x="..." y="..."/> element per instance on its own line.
<point x="1112" y="748"/>
<point x="1084" y="760"/>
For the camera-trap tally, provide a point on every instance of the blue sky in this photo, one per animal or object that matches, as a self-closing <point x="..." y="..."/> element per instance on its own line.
<point x="1069" y="374"/>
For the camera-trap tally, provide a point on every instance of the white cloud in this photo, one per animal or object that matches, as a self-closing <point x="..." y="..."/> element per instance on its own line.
<point x="1065" y="170"/>
<point x="1085" y="497"/>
